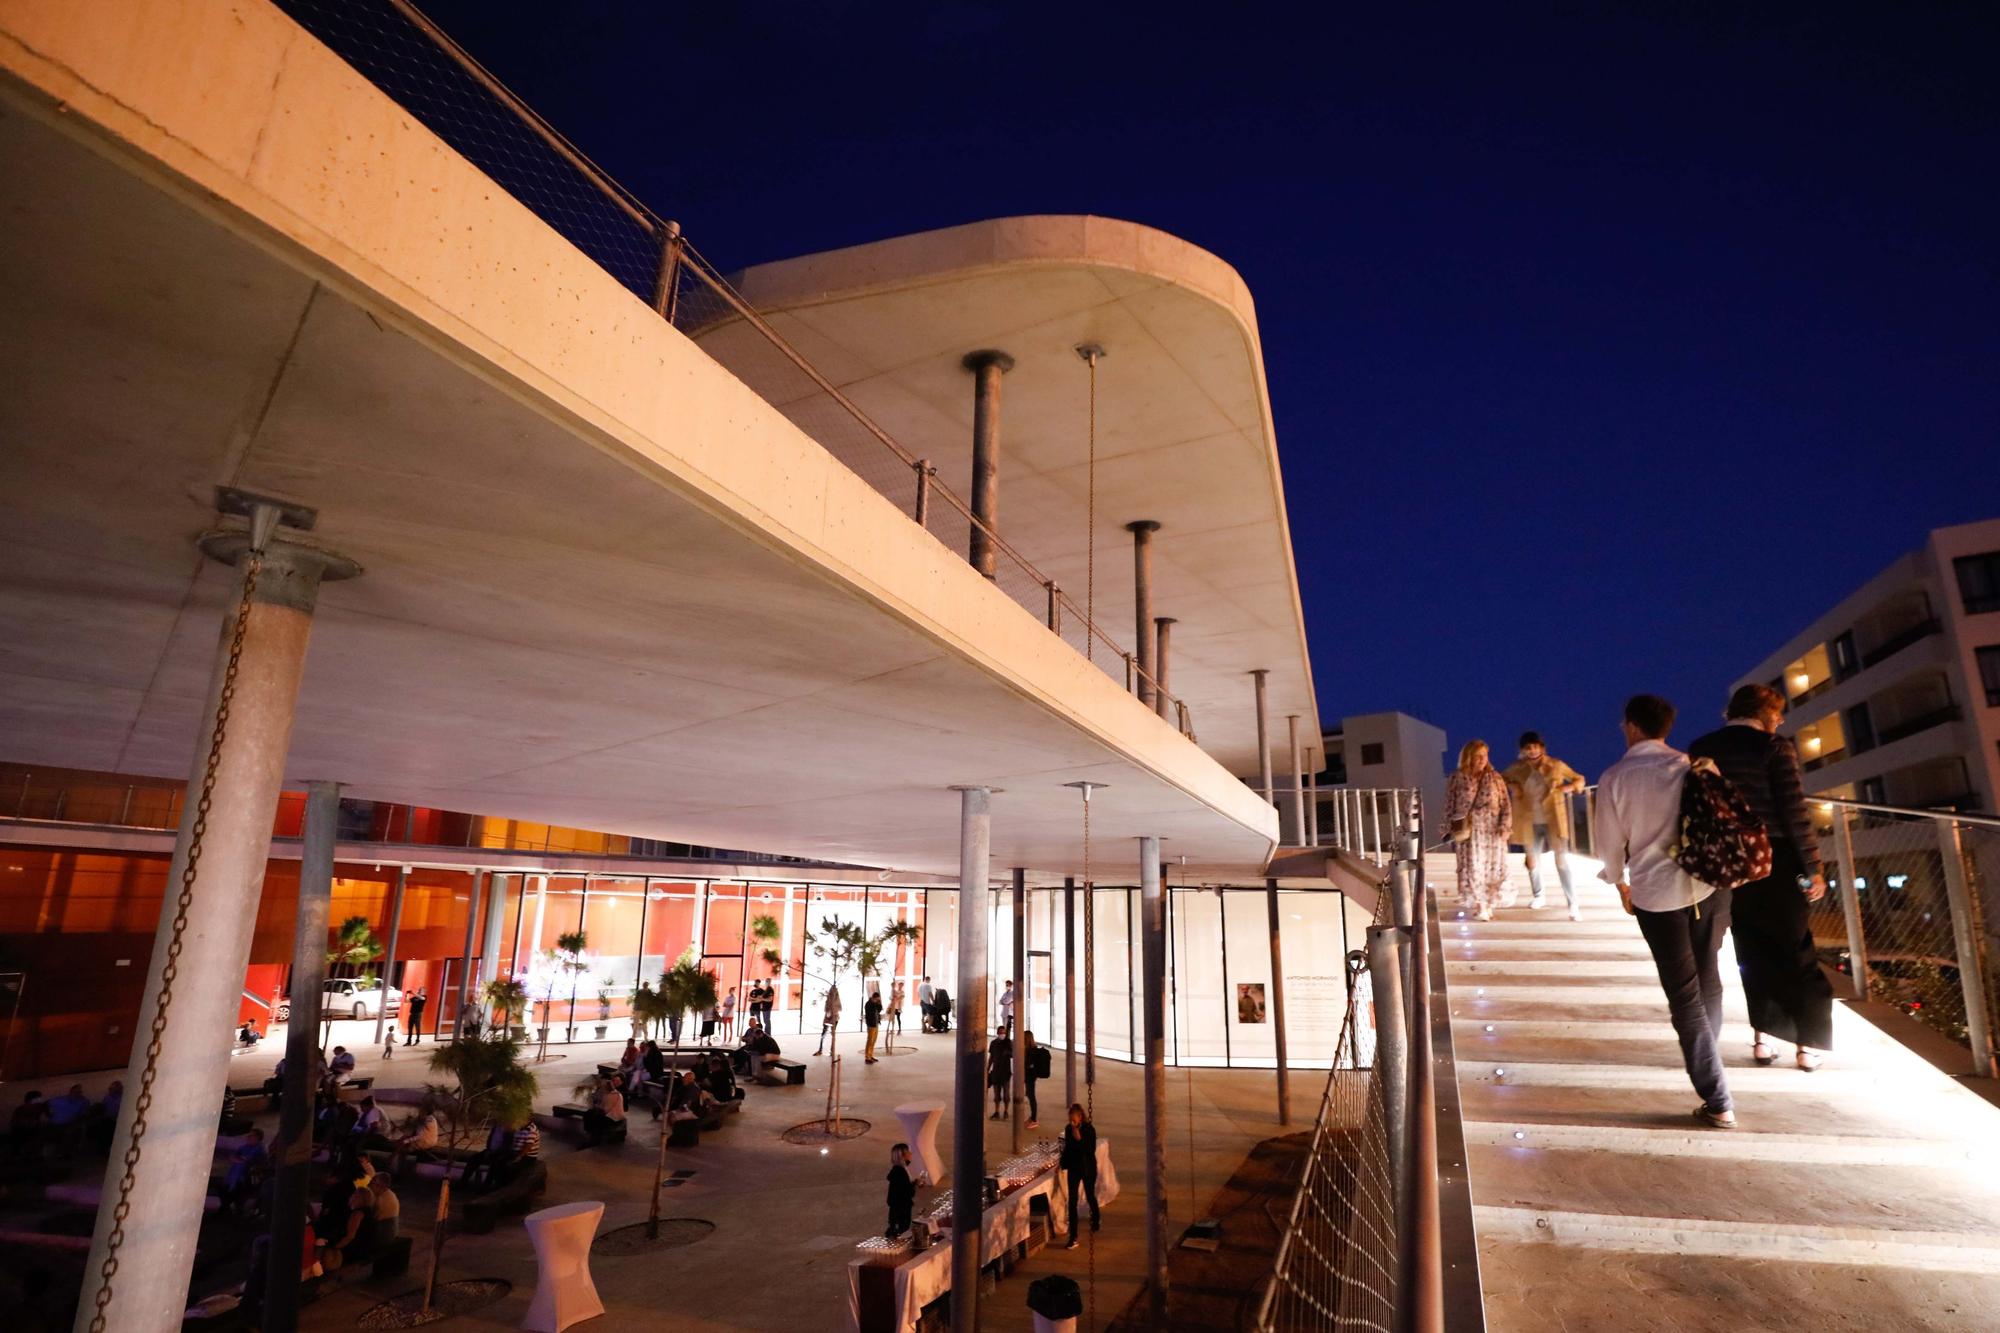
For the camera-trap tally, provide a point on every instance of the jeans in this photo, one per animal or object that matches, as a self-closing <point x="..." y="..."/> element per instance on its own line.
<point x="1034" y="1107"/>
<point x="1089" y="1186"/>
<point x="1684" y="945"/>
<point x="1541" y="840"/>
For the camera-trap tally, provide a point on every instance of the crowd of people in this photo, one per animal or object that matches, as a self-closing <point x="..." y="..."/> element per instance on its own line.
<point x="1736" y="797"/>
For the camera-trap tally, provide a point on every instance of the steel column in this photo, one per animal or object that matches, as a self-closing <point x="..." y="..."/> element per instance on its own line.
<point x="1850" y="901"/>
<point x="1018" y="1023"/>
<point x="1298" y="782"/>
<point x="177" y="1073"/>
<point x="1278" y="1000"/>
<point x="1163" y="704"/>
<point x="1069" y="993"/>
<point x="389" y="955"/>
<point x="1153" y="937"/>
<point x="472" y="901"/>
<point x="1263" y="738"/>
<point x="1312" y="797"/>
<point x="1142" y="603"/>
<point x="1420" y="1270"/>
<point x="293" y="1187"/>
<point x="1971" y="958"/>
<point x="1388" y="961"/>
<point x="968" y="1148"/>
<point x="987" y="367"/>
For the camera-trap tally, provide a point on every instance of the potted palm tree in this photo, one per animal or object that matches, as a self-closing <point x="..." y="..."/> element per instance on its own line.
<point x="684" y="986"/>
<point x="354" y="945"/>
<point x="510" y="999"/>
<point x="604" y="1006"/>
<point x="569" y="961"/>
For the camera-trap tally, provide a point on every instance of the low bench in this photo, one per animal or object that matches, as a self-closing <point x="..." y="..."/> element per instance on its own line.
<point x="780" y="1072"/>
<point x="613" y="1133"/>
<point x="516" y="1196"/>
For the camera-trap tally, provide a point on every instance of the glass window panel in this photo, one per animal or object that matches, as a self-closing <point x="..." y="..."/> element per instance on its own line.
<point x="1113" y="988"/>
<point x="1198" y="1019"/>
<point x="1253" y="1017"/>
<point x="1313" y="935"/>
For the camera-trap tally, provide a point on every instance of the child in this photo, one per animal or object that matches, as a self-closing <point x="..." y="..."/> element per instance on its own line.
<point x="902" y="1191"/>
<point x="389" y="1043"/>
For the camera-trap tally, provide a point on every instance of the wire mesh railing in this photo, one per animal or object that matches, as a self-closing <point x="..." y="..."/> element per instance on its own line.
<point x="1336" y="1262"/>
<point x="1905" y="914"/>
<point x="400" y="51"/>
<point x="1364" y="1245"/>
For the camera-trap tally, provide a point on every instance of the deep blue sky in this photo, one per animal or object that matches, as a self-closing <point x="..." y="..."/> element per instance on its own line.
<point x="1607" y="344"/>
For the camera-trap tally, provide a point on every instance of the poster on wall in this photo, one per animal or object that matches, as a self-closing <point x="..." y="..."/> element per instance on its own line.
<point x="1315" y="1006"/>
<point x="1250" y="1002"/>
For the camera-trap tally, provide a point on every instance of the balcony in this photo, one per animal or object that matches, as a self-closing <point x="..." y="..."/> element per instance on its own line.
<point x="1916" y="633"/>
<point x="1923" y="722"/>
<point x="1822" y="760"/>
<point x="1810" y="693"/>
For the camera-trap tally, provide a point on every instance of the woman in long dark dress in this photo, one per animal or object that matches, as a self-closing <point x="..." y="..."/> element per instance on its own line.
<point x="1789" y="996"/>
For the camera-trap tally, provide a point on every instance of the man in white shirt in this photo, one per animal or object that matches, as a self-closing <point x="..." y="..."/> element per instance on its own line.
<point x="1683" y="920"/>
<point x="1007" y="1006"/>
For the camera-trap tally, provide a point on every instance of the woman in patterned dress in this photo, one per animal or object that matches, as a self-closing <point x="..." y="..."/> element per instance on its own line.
<point x="1476" y="796"/>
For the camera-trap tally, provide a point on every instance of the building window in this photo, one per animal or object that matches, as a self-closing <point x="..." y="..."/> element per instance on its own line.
<point x="1979" y="581"/>
<point x="1371" y="753"/>
<point x="1989" y="672"/>
<point x="1845" y="661"/>
<point x="1860" y="728"/>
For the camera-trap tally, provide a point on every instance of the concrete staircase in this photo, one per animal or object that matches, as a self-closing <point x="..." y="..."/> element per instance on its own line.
<point x="1864" y="1196"/>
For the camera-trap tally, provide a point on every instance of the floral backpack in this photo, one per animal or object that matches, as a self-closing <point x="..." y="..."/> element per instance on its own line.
<point x="1722" y="841"/>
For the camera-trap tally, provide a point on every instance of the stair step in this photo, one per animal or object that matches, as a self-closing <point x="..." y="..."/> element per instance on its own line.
<point x="1926" y="1251"/>
<point x="1548" y="1074"/>
<point x="1743" y="1145"/>
<point x="1571" y="969"/>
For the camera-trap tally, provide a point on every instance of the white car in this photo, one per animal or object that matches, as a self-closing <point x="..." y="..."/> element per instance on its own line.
<point x="358" y="997"/>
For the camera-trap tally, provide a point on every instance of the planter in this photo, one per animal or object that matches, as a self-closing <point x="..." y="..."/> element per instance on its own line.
<point x="520" y="1031"/>
<point x="542" y="1035"/>
<point x="601" y="1029"/>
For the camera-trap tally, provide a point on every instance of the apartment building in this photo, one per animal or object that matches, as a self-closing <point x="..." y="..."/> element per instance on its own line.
<point x="1893" y="694"/>
<point x="1383" y="750"/>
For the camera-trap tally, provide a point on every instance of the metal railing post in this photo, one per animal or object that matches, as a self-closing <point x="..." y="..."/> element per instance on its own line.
<point x="1129" y="683"/>
<point x="1971" y="958"/>
<point x="1388" y="959"/>
<point x="667" y="286"/>
<point x="1420" y="1264"/>
<point x="1055" y="606"/>
<point x="1375" y="819"/>
<point x="924" y="474"/>
<point x="1850" y="901"/>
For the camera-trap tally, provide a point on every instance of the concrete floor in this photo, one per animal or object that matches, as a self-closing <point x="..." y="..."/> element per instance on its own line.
<point x="1863" y="1196"/>
<point x="787" y="1217"/>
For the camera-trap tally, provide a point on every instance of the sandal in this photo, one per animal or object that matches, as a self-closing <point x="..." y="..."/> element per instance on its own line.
<point x="1762" y="1054"/>
<point x="1808" y="1059"/>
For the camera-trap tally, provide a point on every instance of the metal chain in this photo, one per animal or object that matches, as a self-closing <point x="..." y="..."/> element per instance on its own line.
<point x="142" y="1105"/>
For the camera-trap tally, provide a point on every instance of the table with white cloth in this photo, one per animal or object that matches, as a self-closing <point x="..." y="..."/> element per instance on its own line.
<point x="920" y="1127"/>
<point x="564" y="1293"/>
<point x="921" y="1278"/>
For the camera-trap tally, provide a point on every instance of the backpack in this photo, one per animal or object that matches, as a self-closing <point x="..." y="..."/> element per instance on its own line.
<point x="1722" y="842"/>
<point x="1041" y="1063"/>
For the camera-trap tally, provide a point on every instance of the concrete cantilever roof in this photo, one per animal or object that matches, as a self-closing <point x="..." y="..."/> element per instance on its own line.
<point x="606" y="584"/>
<point x="1184" y="426"/>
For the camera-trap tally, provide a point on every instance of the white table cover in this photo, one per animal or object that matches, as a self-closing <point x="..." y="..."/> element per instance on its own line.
<point x="922" y="1278"/>
<point x="920" y="1127"/>
<point x="564" y="1293"/>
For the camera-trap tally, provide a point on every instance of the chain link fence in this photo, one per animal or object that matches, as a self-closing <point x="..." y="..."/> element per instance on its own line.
<point x="402" y="53"/>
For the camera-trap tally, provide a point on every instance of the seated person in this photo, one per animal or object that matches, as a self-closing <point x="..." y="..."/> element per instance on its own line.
<point x="103" y="1118"/>
<point x="483" y="1169"/>
<point x="940" y="1010"/>
<point x="721" y="1083"/>
<point x="691" y="1099"/>
<point x="607" y="1108"/>
<point x="66" y="1113"/>
<point x="388" y="1209"/>
<point x="342" y="1064"/>
<point x="371" y="1126"/>
<point x="247" y="1165"/>
<point x="421" y="1135"/>
<point x="248" y="1035"/>
<point x="30" y="1120"/>
<point x="345" y="1223"/>
<point x="756" y="1041"/>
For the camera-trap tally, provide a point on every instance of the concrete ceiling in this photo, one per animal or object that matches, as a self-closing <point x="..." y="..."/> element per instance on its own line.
<point x="1184" y="433"/>
<point x="545" y="629"/>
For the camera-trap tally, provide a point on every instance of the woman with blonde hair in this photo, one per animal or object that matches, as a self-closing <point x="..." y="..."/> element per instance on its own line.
<point x="1478" y="816"/>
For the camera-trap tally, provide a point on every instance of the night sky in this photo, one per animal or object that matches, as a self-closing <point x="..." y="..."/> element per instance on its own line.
<point x="1607" y="345"/>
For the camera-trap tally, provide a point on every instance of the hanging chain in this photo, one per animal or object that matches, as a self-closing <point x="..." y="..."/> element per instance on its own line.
<point x="1090" y="572"/>
<point x="143" y="1104"/>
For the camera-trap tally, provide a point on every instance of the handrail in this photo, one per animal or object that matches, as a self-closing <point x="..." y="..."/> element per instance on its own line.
<point x="1916" y="812"/>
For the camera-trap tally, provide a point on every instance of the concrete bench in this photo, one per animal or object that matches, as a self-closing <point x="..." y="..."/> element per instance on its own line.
<point x="793" y="1072"/>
